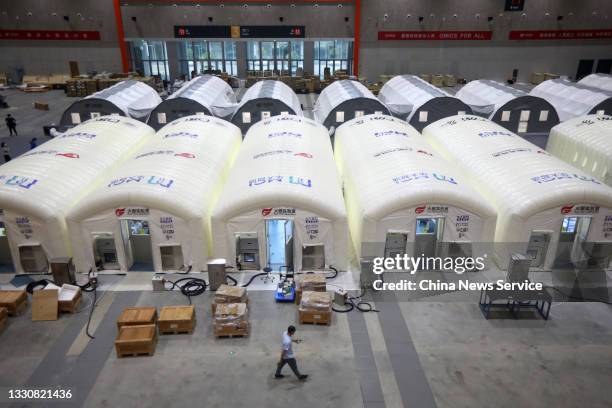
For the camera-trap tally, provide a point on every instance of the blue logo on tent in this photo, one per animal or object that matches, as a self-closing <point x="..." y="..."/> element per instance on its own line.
<point x="299" y="181"/>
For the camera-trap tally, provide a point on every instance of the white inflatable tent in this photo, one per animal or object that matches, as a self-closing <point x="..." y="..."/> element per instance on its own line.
<point x="263" y="100"/>
<point x="403" y="197"/>
<point x="39" y="187"/>
<point x="529" y="116"/>
<point x="344" y="100"/>
<point x="203" y="95"/>
<point x="547" y="209"/>
<point x="571" y="99"/>
<point x="282" y="204"/>
<point x="129" y="98"/>
<point x="586" y="143"/>
<point x="599" y="81"/>
<point x="153" y="212"/>
<point x="418" y="102"/>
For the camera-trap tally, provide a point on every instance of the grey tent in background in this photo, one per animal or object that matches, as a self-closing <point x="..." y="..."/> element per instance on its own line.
<point x="530" y="116"/>
<point x="203" y="95"/>
<point x="599" y="81"/>
<point x="263" y="100"/>
<point x="571" y="99"/>
<point x="344" y="100"/>
<point x="418" y="102"/>
<point x="129" y="98"/>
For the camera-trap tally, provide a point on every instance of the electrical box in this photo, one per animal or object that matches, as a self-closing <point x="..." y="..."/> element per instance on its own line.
<point x="63" y="271"/>
<point x="247" y="251"/>
<point x="518" y="268"/>
<point x="33" y="258"/>
<point x="367" y="275"/>
<point x="159" y="283"/>
<point x="216" y="273"/>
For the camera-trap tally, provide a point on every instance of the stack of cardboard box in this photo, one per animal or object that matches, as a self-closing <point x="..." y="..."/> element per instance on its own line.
<point x="231" y="320"/>
<point x="315" y="308"/>
<point x="310" y="282"/>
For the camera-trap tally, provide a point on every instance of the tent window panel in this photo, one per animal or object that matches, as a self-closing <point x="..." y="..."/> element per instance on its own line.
<point x="543" y="116"/>
<point x="569" y="225"/>
<point x="505" y="116"/>
<point x="525" y="115"/>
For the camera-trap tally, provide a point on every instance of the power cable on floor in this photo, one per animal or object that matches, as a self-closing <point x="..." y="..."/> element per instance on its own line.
<point x="190" y="288"/>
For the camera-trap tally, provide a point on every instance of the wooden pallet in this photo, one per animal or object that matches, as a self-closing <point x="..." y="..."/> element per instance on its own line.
<point x="70" y="306"/>
<point x="315" y="317"/>
<point x="176" y="320"/>
<point x="229" y="332"/>
<point x="15" y="301"/>
<point x="133" y="341"/>
<point x="137" y="316"/>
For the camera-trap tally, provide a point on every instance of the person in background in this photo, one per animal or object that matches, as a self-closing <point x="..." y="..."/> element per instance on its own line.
<point x="287" y="356"/>
<point x="6" y="152"/>
<point x="33" y="143"/>
<point x="11" y="123"/>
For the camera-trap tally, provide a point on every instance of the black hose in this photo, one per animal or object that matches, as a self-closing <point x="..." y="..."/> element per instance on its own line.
<point x="253" y="278"/>
<point x="93" y="305"/>
<point x="231" y="279"/>
<point x="186" y="271"/>
<point x="33" y="285"/>
<point x="335" y="273"/>
<point x="191" y="287"/>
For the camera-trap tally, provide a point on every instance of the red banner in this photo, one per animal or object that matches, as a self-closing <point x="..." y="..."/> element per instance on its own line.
<point x="434" y="35"/>
<point x="53" y="35"/>
<point x="560" y="35"/>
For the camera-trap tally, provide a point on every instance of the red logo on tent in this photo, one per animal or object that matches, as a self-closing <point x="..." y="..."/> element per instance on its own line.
<point x="69" y="155"/>
<point x="186" y="155"/>
<point x="307" y="155"/>
<point x="419" y="210"/>
<point x="266" y="211"/>
<point x="566" y="209"/>
<point x="119" y="212"/>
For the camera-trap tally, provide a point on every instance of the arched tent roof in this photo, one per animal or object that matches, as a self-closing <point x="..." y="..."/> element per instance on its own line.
<point x="516" y="177"/>
<point x="376" y="153"/>
<point x="571" y="99"/>
<point x="206" y="94"/>
<point x="418" y="102"/>
<point x="585" y="142"/>
<point x="509" y="107"/>
<point x="127" y="98"/>
<point x="265" y="99"/>
<point x="47" y="181"/>
<point x="344" y="100"/>
<point x="179" y="171"/>
<point x="302" y="174"/>
<point x="599" y="81"/>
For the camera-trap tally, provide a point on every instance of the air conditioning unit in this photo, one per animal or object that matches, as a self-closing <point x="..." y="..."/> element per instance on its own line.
<point x="171" y="257"/>
<point x="313" y="256"/>
<point x="33" y="259"/>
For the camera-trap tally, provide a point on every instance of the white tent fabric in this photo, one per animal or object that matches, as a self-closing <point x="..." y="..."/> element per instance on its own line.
<point x="530" y="189"/>
<point x="212" y="92"/>
<point x="405" y="94"/>
<point x="599" y="81"/>
<point x="134" y="98"/>
<point x="585" y="142"/>
<point x="285" y="169"/>
<point x="392" y="176"/>
<point x="485" y="97"/>
<point x="570" y="99"/>
<point x="171" y="182"/>
<point x="339" y="92"/>
<point x="38" y="188"/>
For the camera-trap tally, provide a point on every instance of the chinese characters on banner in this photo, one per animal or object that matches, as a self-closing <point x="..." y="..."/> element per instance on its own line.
<point x="54" y="35"/>
<point x="559" y="34"/>
<point x="434" y="35"/>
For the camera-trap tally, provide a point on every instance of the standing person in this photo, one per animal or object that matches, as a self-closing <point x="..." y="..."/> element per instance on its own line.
<point x="287" y="356"/>
<point x="33" y="143"/>
<point x="11" y="123"/>
<point x="6" y="152"/>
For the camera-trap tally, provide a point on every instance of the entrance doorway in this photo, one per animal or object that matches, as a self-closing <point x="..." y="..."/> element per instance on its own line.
<point x="429" y="232"/>
<point x="585" y="67"/>
<point x="139" y="245"/>
<point x="279" y="243"/>
<point x="105" y="251"/>
<point x="573" y="235"/>
<point x="395" y="244"/>
<point x="538" y="247"/>
<point x="6" y="260"/>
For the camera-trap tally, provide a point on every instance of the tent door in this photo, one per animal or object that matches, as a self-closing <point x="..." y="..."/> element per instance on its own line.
<point x="279" y="243"/>
<point x="139" y="238"/>
<point x="395" y="244"/>
<point x="538" y="247"/>
<point x="247" y="250"/>
<point x="6" y="260"/>
<point x="105" y="251"/>
<point x="429" y="232"/>
<point x="573" y="234"/>
<point x="171" y="257"/>
<point x="33" y="259"/>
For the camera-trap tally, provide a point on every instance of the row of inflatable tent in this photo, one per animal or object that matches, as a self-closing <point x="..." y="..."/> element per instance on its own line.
<point x="407" y="97"/>
<point x="116" y="196"/>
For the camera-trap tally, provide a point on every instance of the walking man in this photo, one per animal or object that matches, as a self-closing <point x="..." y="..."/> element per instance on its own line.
<point x="287" y="356"/>
<point x="6" y="152"/>
<point x="11" y="123"/>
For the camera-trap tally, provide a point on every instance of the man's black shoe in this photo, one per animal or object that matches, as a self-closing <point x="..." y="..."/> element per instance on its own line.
<point x="279" y="376"/>
<point x="303" y="377"/>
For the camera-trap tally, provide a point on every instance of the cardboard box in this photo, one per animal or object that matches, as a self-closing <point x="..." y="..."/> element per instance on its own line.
<point x="3" y="317"/>
<point x="137" y="316"/>
<point x="138" y="340"/>
<point x="176" y="319"/>
<point x="230" y="294"/>
<point x="15" y="301"/>
<point x="231" y="320"/>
